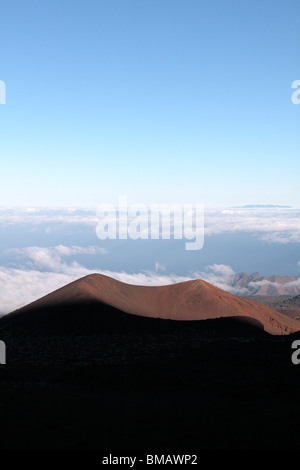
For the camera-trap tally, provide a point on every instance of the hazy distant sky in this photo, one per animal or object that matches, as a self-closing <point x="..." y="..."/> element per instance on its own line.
<point x="159" y="100"/>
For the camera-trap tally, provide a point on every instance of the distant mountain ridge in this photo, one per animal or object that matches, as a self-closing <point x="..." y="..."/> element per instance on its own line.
<point x="257" y="285"/>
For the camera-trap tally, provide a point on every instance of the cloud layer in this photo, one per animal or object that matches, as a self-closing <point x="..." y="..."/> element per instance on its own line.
<point x="273" y="224"/>
<point x="40" y="270"/>
<point x="45" y="269"/>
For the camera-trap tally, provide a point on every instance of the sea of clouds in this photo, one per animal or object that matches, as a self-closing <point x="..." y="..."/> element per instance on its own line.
<point x="31" y="271"/>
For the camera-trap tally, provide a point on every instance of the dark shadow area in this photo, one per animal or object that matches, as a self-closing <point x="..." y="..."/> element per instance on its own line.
<point x="94" y="317"/>
<point x="87" y="376"/>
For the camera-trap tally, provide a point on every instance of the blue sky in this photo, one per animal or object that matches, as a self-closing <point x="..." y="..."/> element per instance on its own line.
<point x="162" y="101"/>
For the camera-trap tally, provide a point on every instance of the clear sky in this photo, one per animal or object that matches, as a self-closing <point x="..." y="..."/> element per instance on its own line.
<point x="158" y="100"/>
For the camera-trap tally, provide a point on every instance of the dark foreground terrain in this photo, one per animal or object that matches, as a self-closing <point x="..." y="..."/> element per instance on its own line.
<point x="76" y="380"/>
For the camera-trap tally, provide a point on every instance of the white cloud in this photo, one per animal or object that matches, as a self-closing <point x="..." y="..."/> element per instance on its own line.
<point x="50" y="258"/>
<point x="295" y="283"/>
<point x="45" y="270"/>
<point x="271" y="225"/>
<point x="222" y="276"/>
<point x="37" y="216"/>
<point x="19" y="287"/>
<point x="274" y="225"/>
<point x="221" y="269"/>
